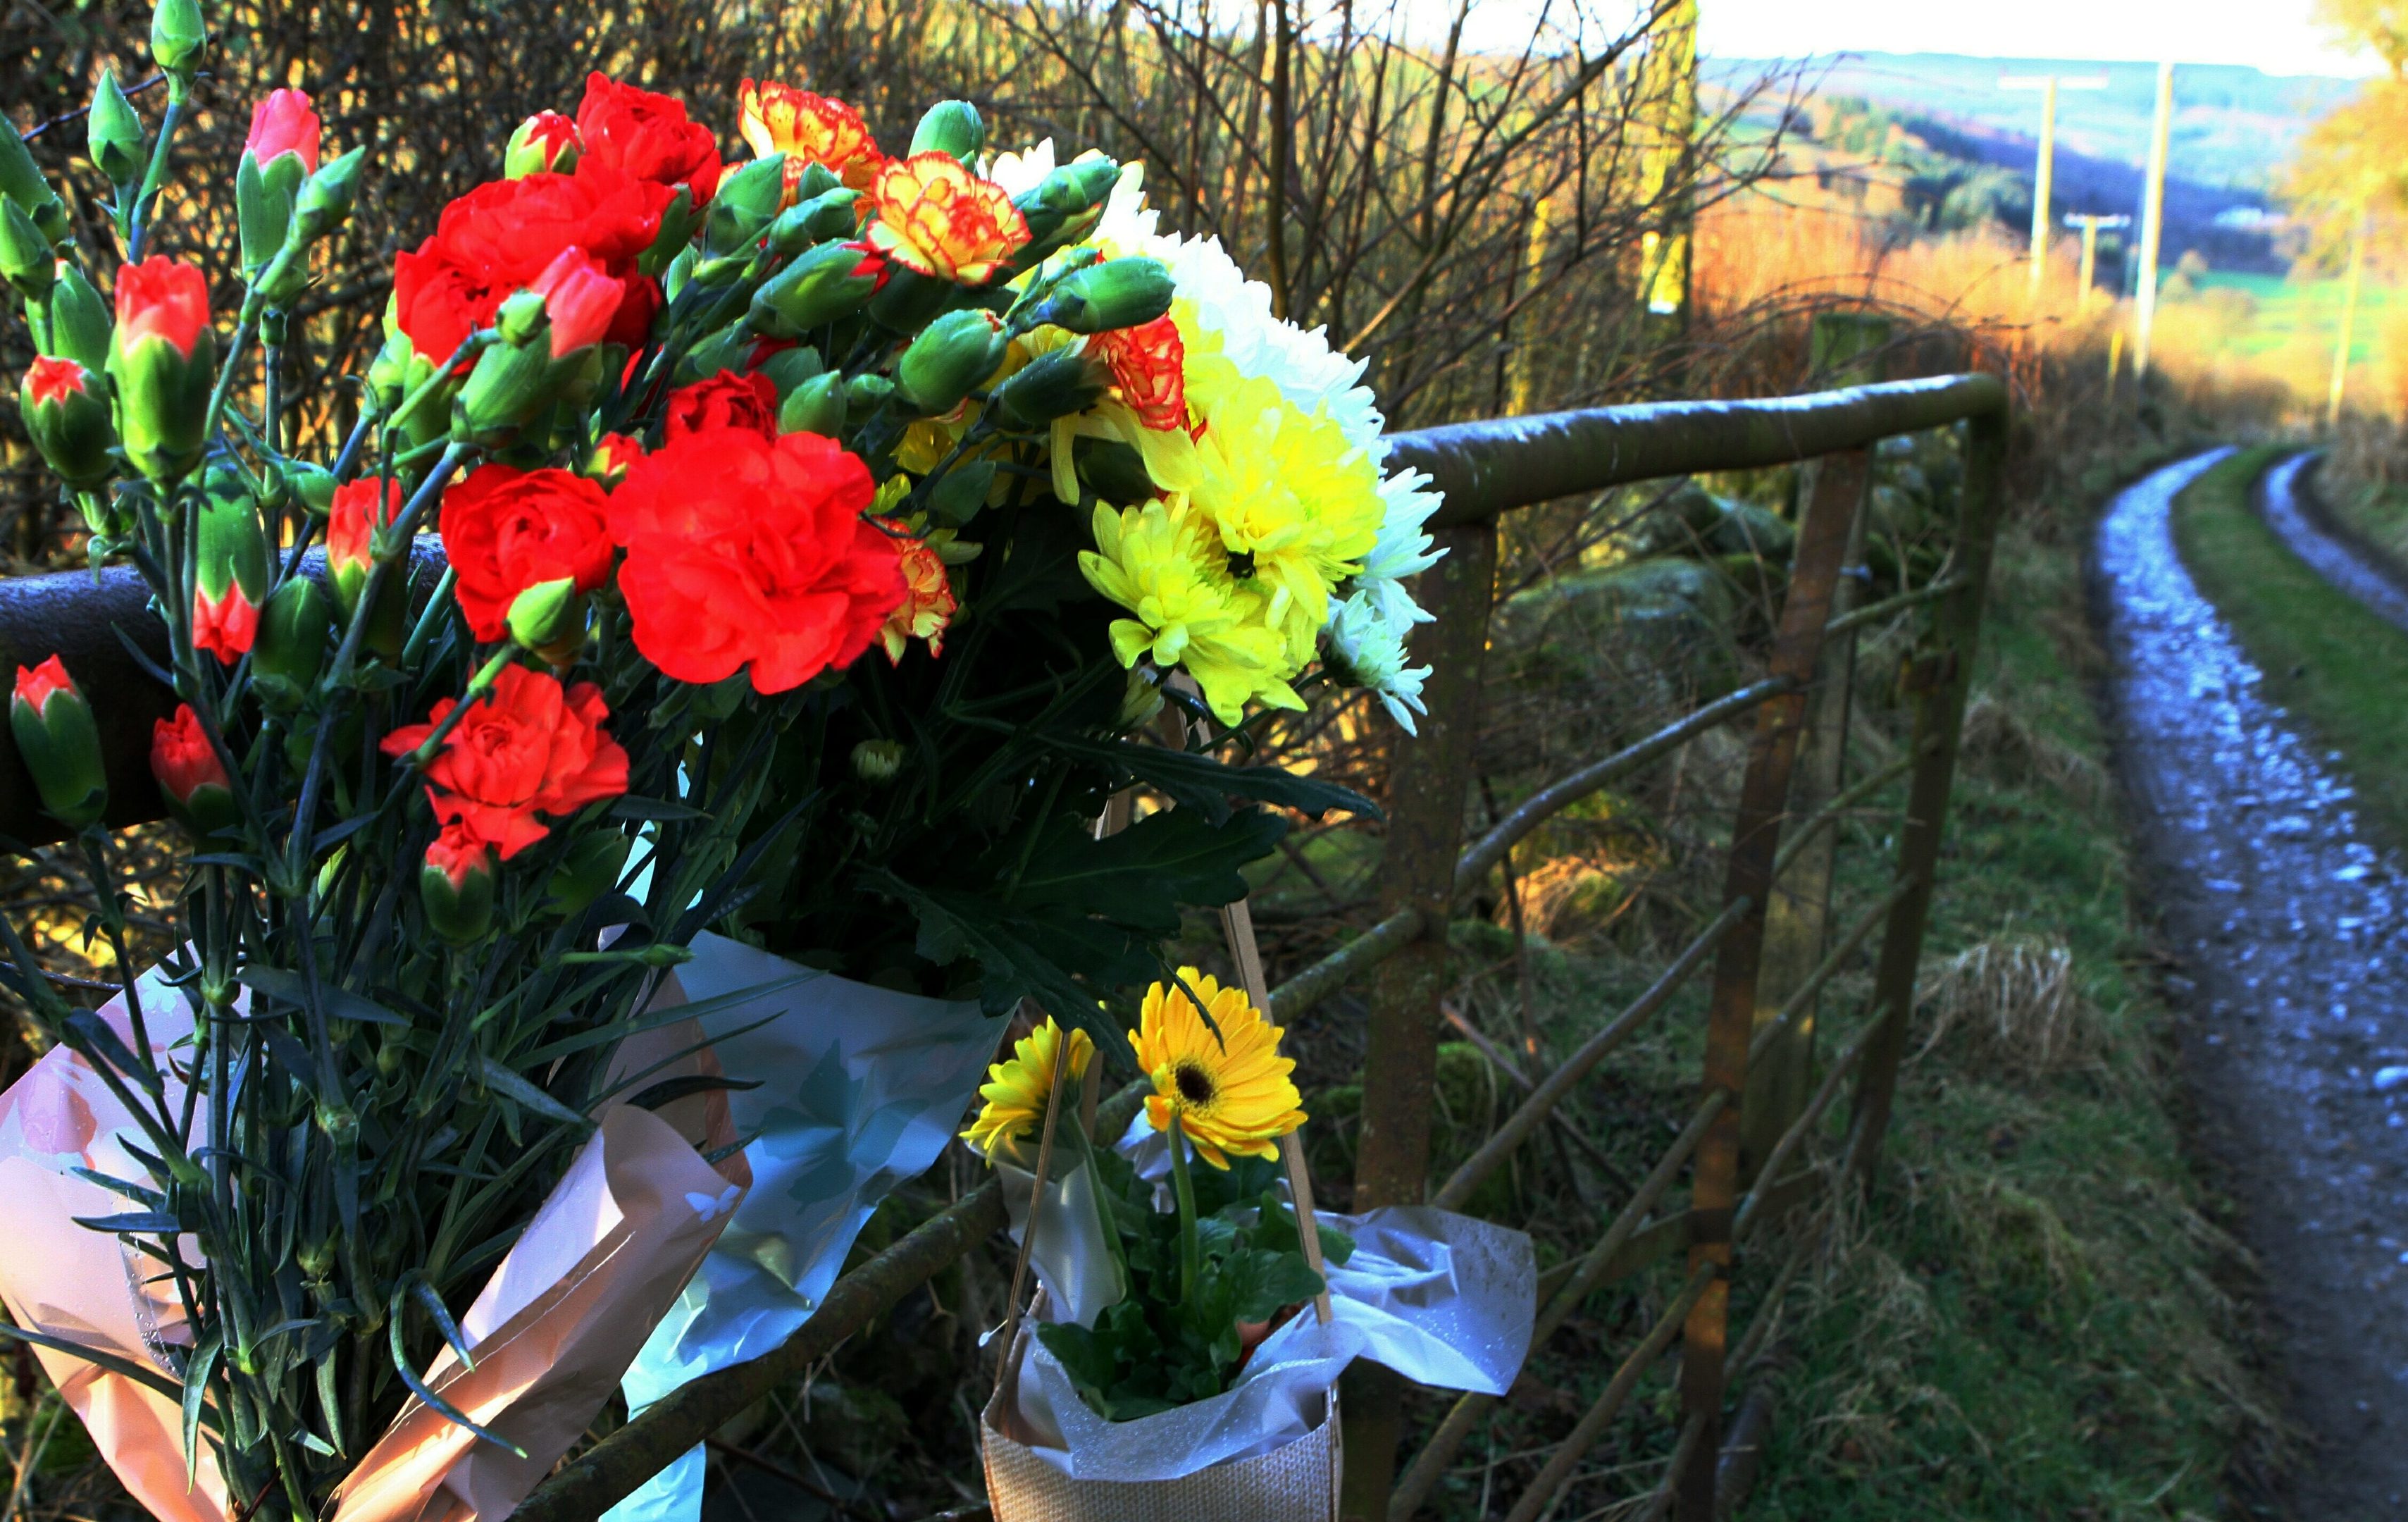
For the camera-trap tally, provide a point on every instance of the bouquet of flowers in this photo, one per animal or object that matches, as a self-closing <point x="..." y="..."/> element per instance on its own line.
<point x="563" y="657"/>
<point x="1174" y="1347"/>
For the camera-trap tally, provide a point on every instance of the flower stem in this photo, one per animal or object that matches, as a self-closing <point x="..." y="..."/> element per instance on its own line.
<point x="1190" y="1249"/>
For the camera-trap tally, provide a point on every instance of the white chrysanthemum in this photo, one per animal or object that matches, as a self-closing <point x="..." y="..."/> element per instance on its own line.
<point x="1403" y="549"/>
<point x="1022" y="172"/>
<point x="1129" y="224"/>
<point x="1369" y="651"/>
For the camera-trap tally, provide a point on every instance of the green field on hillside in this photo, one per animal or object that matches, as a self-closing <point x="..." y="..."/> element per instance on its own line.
<point x="2284" y="311"/>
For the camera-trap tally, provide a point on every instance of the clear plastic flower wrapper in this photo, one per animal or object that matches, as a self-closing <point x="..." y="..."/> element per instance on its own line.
<point x="859" y="1089"/>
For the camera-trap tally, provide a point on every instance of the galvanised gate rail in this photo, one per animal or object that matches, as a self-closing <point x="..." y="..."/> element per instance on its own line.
<point x="1744" y="1146"/>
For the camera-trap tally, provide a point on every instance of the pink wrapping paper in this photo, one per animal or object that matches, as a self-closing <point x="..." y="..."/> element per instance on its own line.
<point x="553" y="1329"/>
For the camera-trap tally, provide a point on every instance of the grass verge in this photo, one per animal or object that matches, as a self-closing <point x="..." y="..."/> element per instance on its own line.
<point x="2329" y="661"/>
<point x="2026" y="1320"/>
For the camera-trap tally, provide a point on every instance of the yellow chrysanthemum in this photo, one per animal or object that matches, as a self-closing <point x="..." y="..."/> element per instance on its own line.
<point x="1230" y="1092"/>
<point x="1017" y="1090"/>
<point x="1160" y="562"/>
<point x="1296" y="503"/>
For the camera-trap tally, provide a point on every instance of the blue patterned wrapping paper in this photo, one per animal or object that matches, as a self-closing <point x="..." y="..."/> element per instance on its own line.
<point x="861" y="1088"/>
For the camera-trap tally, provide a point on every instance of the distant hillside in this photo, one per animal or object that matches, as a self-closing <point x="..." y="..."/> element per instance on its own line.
<point x="2234" y="130"/>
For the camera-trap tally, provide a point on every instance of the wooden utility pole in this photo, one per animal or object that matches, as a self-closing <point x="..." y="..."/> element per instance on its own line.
<point x="2153" y="218"/>
<point x="2090" y="222"/>
<point x="2044" y="167"/>
<point x="1670" y="96"/>
<point x="2349" y="338"/>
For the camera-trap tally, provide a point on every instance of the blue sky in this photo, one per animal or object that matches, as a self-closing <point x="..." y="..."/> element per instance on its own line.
<point x="2277" y="36"/>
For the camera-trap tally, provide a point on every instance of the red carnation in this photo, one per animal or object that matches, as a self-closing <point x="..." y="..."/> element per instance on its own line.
<point x="506" y="529"/>
<point x="284" y="122"/>
<point x="501" y="238"/>
<point x="647" y="135"/>
<point x="528" y="747"/>
<point x="1148" y="368"/>
<point x="744" y="549"/>
<point x="726" y="400"/>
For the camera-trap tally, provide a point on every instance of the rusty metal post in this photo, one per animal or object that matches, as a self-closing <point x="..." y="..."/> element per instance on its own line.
<point x="1731" y="1022"/>
<point x="1427" y="784"/>
<point x="1796" y="917"/>
<point x="1941" y="675"/>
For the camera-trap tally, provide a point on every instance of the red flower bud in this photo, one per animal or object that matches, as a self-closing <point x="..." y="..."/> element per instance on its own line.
<point x="59" y="743"/>
<point x="191" y="777"/>
<point x="162" y="359"/>
<point x="612" y="457"/>
<point x="38" y="684"/>
<point x="580" y="299"/>
<point x="351" y="537"/>
<point x="67" y="414"/>
<point x="230" y="579"/>
<point x="162" y="298"/>
<point x="544" y="143"/>
<point x="284" y="123"/>
<point x="455" y="888"/>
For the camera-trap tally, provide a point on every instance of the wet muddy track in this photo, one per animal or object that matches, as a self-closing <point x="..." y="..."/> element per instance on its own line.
<point x="2287" y="921"/>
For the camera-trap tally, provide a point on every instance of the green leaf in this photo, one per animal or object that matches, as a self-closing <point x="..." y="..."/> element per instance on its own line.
<point x="340" y="1003"/>
<point x="196" y="1395"/>
<point x="509" y="1085"/>
<point x="1195" y="780"/>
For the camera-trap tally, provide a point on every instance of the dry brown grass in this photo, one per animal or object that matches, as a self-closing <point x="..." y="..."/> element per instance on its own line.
<point x="2012" y="999"/>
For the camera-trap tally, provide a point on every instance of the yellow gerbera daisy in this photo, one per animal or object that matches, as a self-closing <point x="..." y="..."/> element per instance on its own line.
<point x="1230" y="1093"/>
<point x="1017" y="1090"/>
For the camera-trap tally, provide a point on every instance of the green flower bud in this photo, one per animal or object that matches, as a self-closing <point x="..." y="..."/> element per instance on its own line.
<point x="65" y="407"/>
<point x="790" y="368"/>
<point x="678" y="219"/>
<point x="878" y="760"/>
<point x="26" y="260"/>
<point x="909" y="300"/>
<point x="1116" y="294"/>
<point x="262" y="200"/>
<point x="548" y="614"/>
<point x="510" y="384"/>
<point x="866" y="394"/>
<point x="950" y="358"/>
<point x="743" y="205"/>
<point x="819" y="287"/>
<point x="818" y="179"/>
<point x="113" y="133"/>
<point x="950" y="126"/>
<point x="80" y="321"/>
<point x="59" y="743"/>
<point x="22" y="181"/>
<point x="295" y="629"/>
<point x="1114" y="471"/>
<point x="178" y="34"/>
<point x="590" y="869"/>
<point x="323" y="202"/>
<point x="815" y="407"/>
<point x="1054" y="384"/>
<point x="311" y="485"/>
<point x="455" y="888"/>
<point x="1066" y="204"/>
<point x="829" y="214"/>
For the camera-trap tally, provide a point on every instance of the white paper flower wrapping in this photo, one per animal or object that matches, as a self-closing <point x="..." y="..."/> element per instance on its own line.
<point x="1443" y="1300"/>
